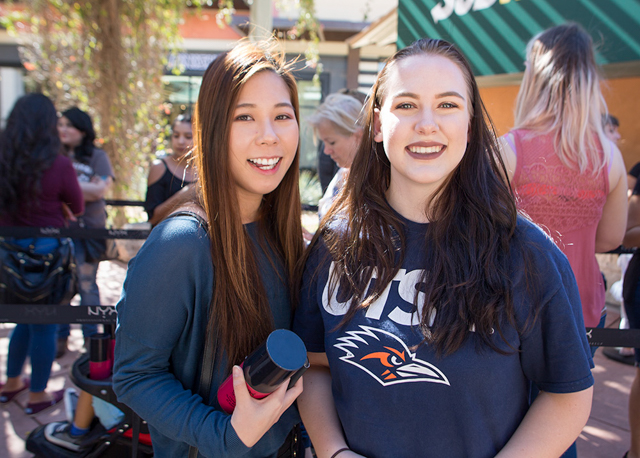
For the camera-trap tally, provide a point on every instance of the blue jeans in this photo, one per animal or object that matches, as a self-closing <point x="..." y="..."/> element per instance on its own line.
<point x="38" y="341"/>
<point x="89" y="293"/>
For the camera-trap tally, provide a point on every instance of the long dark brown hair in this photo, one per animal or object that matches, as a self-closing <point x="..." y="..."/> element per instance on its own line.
<point x="472" y="221"/>
<point x="240" y="316"/>
<point x="82" y="121"/>
<point x="29" y="146"/>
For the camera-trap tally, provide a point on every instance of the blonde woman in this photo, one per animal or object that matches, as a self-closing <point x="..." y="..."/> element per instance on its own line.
<point x="336" y="123"/>
<point x="569" y="177"/>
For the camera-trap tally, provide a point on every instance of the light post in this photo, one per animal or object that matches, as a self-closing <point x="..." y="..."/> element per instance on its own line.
<point x="261" y="18"/>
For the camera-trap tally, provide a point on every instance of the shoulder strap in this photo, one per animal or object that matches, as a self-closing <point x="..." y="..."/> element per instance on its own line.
<point x="206" y="375"/>
<point x="166" y="168"/>
<point x="200" y="219"/>
<point x="611" y="152"/>
<point x="510" y="140"/>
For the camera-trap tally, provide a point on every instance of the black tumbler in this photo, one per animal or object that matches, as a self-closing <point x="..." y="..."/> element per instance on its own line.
<point x="283" y="354"/>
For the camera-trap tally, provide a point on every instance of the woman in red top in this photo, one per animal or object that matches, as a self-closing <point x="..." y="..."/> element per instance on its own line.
<point x="36" y="183"/>
<point x="569" y="177"/>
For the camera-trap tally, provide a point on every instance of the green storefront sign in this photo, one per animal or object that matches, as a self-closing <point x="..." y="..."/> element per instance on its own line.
<point x="493" y="33"/>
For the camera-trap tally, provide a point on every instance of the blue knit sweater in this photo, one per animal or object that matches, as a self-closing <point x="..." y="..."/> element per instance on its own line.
<point x="162" y="317"/>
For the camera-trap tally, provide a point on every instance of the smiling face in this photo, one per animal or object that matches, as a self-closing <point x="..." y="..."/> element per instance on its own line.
<point x="341" y="148"/>
<point x="423" y="123"/>
<point x="263" y="139"/>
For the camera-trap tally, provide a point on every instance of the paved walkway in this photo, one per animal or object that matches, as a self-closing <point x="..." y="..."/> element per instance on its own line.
<point x="605" y="436"/>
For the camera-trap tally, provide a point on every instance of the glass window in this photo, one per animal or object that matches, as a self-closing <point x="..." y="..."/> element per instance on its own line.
<point x="309" y="97"/>
<point x="181" y="93"/>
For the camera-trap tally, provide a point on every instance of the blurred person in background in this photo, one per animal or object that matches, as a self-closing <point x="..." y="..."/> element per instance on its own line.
<point x="631" y="302"/>
<point x="569" y="177"/>
<point x="621" y="354"/>
<point x="327" y="167"/>
<point x="170" y="178"/>
<point x="611" y="126"/>
<point x="336" y="123"/>
<point x="38" y="186"/>
<point x="571" y="184"/>
<point x="632" y="177"/>
<point x="611" y="130"/>
<point x="95" y="175"/>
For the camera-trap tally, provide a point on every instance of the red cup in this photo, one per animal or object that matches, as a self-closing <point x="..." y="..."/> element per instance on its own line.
<point x="99" y="362"/>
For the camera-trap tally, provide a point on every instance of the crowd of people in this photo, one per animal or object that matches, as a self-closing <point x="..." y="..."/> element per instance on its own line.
<point x="451" y="277"/>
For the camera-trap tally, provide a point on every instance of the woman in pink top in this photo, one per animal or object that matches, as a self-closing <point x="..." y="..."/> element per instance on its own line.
<point x="568" y="177"/>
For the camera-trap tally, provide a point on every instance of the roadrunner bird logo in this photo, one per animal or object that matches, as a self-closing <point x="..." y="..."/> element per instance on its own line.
<point x="386" y="358"/>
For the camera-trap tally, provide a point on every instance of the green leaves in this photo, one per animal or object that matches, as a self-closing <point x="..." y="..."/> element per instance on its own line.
<point x="107" y="58"/>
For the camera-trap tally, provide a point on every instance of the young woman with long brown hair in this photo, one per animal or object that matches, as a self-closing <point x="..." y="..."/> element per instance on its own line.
<point x="224" y="274"/>
<point x="428" y="306"/>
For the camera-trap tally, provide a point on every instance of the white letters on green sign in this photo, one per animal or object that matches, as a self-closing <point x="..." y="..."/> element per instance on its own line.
<point x="443" y="10"/>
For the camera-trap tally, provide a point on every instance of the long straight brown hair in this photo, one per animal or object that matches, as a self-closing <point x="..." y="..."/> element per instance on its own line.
<point x="240" y="317"/>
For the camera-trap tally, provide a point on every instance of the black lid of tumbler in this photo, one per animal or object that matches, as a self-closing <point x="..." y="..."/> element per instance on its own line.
<point x="282" y="354"/>
<point x="99" y="347"/>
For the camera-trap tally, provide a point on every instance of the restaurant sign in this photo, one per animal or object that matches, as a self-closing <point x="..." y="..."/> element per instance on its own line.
<point x="493" y="34"/>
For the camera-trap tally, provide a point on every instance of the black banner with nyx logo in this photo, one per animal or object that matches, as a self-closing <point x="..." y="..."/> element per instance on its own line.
<point x="78" y="233"/>
<point x="106" y="314"/>
<point x="608" y="337"/>
<point x="57" y="314"/>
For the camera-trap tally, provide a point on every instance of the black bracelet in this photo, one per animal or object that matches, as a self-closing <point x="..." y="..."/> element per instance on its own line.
<point x="340" y="451"/>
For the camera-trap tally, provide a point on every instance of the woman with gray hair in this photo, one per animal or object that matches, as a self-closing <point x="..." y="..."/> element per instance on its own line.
<point x="337" y="124"/>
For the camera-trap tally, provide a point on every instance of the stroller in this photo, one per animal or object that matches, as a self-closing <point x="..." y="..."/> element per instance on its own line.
<point x="129" y="438"/>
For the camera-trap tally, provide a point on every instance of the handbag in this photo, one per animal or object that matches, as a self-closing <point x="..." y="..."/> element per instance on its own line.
<point x="27" y="277"/>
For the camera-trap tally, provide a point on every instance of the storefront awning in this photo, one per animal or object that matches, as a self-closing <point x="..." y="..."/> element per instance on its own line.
<point x="493" y="33"/>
